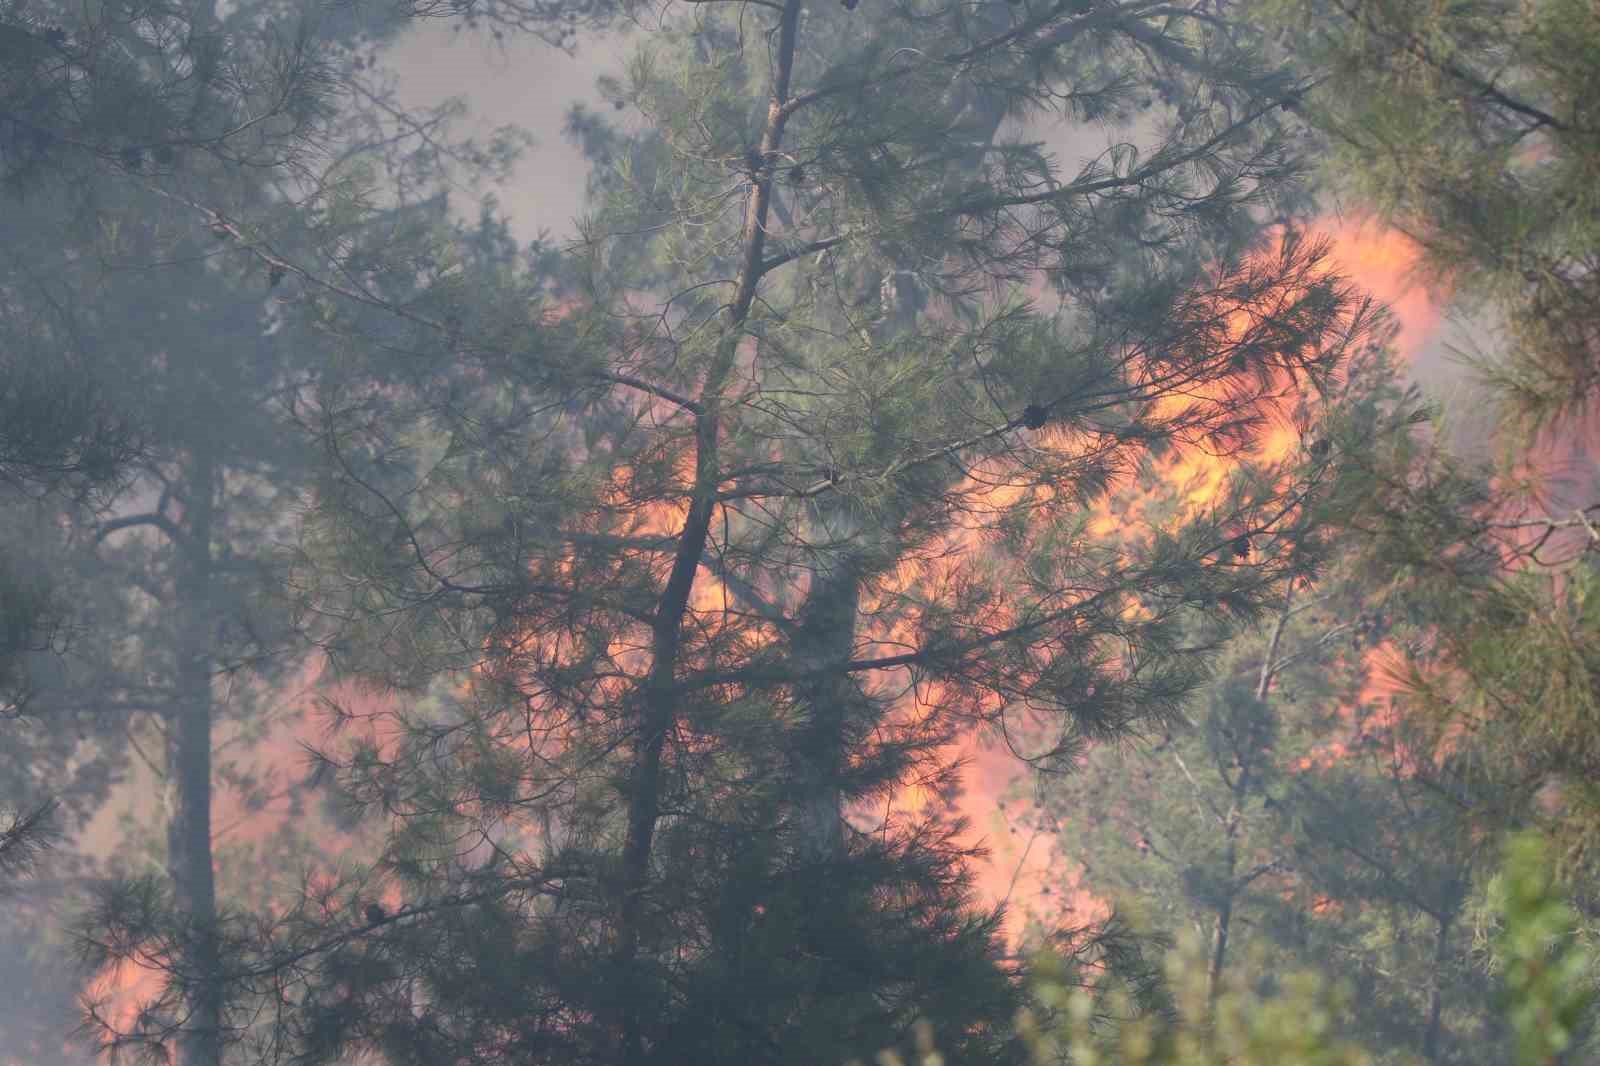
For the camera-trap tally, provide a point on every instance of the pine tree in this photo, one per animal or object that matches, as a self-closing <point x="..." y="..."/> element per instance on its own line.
<point x="85" y="98"/>
<point x="156" y="153"/>
<point x="1299" y="819"/>
<point x="1392" y="860"/>
<point x="1471" y="133"/>
<point x="1184" y="826"/>
<point x="166" y="278"/>
<point x="1471" y="128"/>
<point x="684" y="596"/>
<point x="1543" y="999"/>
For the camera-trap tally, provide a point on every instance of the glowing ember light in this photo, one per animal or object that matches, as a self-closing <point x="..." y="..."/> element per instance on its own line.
<point x="1024" y="868"/>
<point x="120" y="993"/>
<point x="1382" y="263"/>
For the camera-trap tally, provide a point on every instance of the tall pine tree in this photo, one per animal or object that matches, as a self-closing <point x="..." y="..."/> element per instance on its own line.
<point x="683" y="571"/>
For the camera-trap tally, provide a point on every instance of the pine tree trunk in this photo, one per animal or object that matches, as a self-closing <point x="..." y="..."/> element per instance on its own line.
<point x="1241" y="794"/>
<point x="1222" y="929"/>
<point x="829" y="617"/>
<point x="826" y="638"/>
<point x="1430" y="1042"/>
<point x="189" y="859"/>
<point x="658" y="696"/>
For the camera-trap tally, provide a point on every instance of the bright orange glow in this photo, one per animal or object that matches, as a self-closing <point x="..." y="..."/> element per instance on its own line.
<point x="1384" y="262"/>
<point x="123" y="991"/>
<point x="1371" y="718"/>
<point x="1023" y="868"/>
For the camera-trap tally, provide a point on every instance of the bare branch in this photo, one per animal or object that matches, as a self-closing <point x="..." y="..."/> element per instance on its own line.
<point x="159" y="521"/>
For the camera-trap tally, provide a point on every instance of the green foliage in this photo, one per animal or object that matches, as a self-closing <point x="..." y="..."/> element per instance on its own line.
<point x="1295" y="1026"/>
<point x="1549" y="975"/>
<point x="1471" y="126"/>
<point x="30" y="615"/>
<point x="24" y="835"/>
<point x="632" y="579"/>
<point x="1291" y="819"/>
<point x="1547" y="994"/>
<point x="667" y="606"/>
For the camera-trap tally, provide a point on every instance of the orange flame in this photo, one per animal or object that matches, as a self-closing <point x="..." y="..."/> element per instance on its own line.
<point x="1027" y="874"/>
<point x="121" y="992"/>
<point x="1383" y="263"/>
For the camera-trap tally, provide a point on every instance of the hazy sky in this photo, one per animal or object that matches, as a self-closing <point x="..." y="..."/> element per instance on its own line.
<point x="530" y="84"/>
<point x="526" y="82"/>
<point x="522" y="82"/>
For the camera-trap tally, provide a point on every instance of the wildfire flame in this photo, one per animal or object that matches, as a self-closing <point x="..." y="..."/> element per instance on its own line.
<point x="1036" y="880"/>
<point x="1024" y="868"/>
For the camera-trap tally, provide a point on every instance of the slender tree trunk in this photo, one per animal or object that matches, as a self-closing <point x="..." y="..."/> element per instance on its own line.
<point x="658" y="712"/>
<point x="1430" y="1042"/>
<point x="826" y="637"/>
<point x="189" y="859"/>
<point x="826" y="633"/>
<point x="1269" y="662"/>
<point x="830" y="615"/>
<point x="659" y="697"/>
<point x="1219" y="938"/>
<point x="1241" y="788"/>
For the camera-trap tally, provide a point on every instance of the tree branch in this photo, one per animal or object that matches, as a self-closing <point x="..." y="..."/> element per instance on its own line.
<point x="159" y="521"/>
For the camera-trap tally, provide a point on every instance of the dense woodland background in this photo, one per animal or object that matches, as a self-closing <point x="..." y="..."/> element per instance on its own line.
<point x="952" y="559"/>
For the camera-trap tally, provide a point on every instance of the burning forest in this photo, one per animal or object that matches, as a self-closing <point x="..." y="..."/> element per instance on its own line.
<point x="1001" y="533"/>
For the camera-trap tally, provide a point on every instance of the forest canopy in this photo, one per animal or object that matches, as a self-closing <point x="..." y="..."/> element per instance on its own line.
<point x="956" y="559"/>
